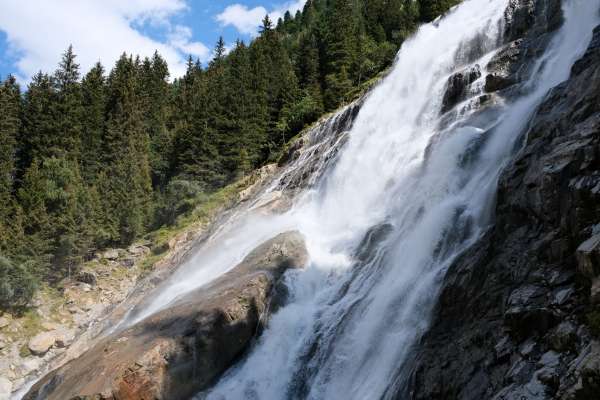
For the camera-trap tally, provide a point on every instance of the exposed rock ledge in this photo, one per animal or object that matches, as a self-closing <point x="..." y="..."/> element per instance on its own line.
<point x="511" y="322"/>
<point x="183" y="349"/>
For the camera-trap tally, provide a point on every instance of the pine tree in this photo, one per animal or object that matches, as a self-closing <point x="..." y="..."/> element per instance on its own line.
<point x="68" y="109"/>
<point x="127" y="188"/>
<point x="156" y="92"/>
<point x="340" y="31"/>
<point x="93" y="90"/>
<point x="10" y="221"/>
<point x="40" y="138"/>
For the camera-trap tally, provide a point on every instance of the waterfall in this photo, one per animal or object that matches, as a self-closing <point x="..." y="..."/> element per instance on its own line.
<point x="403" y="194"/>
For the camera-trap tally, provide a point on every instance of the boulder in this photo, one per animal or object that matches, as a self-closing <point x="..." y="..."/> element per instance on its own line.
<point x="64" y="337"/>
<point x="588" y="257"/>
<point x="138" y="250"/>
<point x="128" y="262"/>
<point x="41" y="343"/>
<point x="110" y="254"/>
<point x="88" y="277"/>
<point x="182" y="350"/>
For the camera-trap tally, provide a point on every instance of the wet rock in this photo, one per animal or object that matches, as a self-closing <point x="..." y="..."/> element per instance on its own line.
<point x="587" y="374"/>
<point x="458" y="86"/>
<point x="588" y="257"/>
<point x="518" y="18"/>
<point x="526" y="312"/>
<point x="562" y="296"/>
<point x="526" y="273"/>
<point x="496" y="82"/>
<point x="41" y="343"/>
<point x="29" y="365"/>
<point x="595" y="291"/>
<point x="564" y="338"/>
<point x="183" y="349"/>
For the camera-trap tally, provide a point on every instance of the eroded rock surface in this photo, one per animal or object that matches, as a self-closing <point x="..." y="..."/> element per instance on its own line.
<point x="511" y="318"/>
<point x="184" y="348"/>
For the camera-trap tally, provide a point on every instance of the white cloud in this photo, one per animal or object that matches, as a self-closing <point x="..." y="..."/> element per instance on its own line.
<point x="179" y="38"/>
<point x="39" y="31"/>
<point x="248" y="20"/>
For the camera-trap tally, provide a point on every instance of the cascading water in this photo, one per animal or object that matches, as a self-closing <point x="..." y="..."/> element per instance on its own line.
<point x="408" y="192"/>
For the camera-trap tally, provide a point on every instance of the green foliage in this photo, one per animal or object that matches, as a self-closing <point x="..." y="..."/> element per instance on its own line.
<point x="180" y="197"/>
<point x="593" y="321"/>
<point x="100" y="160"/>
<point x="17" y="284"/>
<point x="431" y="9"/>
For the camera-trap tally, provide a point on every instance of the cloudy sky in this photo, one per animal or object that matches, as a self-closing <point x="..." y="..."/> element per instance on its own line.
<point x="34" y="33"/>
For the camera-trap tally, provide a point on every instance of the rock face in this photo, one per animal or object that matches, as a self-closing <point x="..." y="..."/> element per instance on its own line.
<point x="510" y="322"/>
<point x="458" y="86"/>
<point x="183" y="349"/>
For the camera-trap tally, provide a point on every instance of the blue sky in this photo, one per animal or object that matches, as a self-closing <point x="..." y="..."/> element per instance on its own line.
<point x="34" y="33"/>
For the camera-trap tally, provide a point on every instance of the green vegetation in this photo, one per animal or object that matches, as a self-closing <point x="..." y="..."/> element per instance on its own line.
<point x="593" y="321"/>
<point x="104" y="159"/>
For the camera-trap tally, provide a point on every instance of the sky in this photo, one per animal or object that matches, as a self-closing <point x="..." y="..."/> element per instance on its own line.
<point x="34" y="33"/>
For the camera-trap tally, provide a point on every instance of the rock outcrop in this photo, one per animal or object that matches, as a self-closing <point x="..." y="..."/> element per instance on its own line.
<point x="511" y="320"/>
<point x="184" y="348"/>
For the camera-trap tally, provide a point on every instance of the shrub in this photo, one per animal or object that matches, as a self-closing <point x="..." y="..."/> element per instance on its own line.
<point x="17" y="284"/>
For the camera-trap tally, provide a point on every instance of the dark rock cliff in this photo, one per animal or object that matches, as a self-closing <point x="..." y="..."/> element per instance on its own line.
<point x="512" y="319"/>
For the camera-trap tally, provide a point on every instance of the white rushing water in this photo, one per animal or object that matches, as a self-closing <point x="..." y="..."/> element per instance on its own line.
<point x="351" y="320"/>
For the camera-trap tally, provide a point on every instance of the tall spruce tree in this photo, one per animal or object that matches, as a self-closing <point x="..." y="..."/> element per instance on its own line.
<point x="126" y="185"/>
<point x="156" y="96"/>
<point x="10" y="221"/>
<point x="93" y="88"/>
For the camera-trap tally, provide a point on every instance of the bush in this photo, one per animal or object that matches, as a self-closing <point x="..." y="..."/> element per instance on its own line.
<point x="17" y="284"/>
<point x="180" y="197"/>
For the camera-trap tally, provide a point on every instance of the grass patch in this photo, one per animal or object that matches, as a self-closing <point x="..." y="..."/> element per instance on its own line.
<point x="205" y="209"/>
<point x="24" y="351"/>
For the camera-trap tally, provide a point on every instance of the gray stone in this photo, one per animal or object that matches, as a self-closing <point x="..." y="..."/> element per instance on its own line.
<point x="88" y="277"/>
<point x="41" y="343"/>
<point x="138" y="250"/>
<point x="110" y="254"/>
<point x="128" y="262"/>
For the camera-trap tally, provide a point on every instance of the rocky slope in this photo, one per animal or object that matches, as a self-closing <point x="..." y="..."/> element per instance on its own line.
<point x="182" y="349"/>
<point x="513" y="317"/>
<point x="64" y="322"/>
